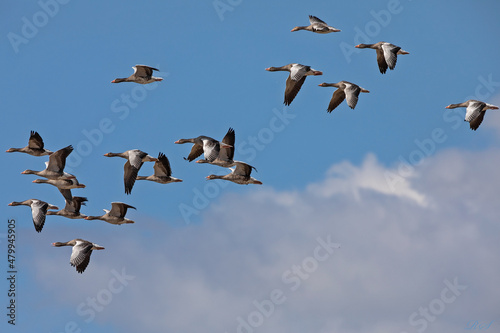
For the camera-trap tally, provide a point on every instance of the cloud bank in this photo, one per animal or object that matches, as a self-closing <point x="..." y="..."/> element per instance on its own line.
<point x="422" y="257"/>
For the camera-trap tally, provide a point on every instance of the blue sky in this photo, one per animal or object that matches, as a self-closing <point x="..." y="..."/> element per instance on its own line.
<point x="398" y="180"/>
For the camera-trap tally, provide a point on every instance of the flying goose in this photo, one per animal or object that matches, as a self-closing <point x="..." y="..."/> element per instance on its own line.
<point x="142" y="74"/>
<point x="203" y="145"/>
<point x="317" y="26"/>
<point x="387" y="54"/>
<point x="295" y="80"/>
<point x="346" y="90"/>
<point x="80" y="255"/>
<point x="162" y="172"/>
<point x="239" y="175"/>
<point x="135" y="158"/>
<point x="34" y="147"/>
<point x="38" y="211"/>
<point x="114" y="216"/>
<point x="225" y="156"/>
<point x="475" y="111"/>
<point x="66" y="184"/>
<point x="55" y="166"/>
<point x="72" y="208"/>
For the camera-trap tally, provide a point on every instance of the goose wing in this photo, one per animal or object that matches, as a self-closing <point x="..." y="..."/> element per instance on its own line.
<point x="57" y="160"/>
<point x="390" y="54"/>
<point x="292" y="89"/>
<point x="66" y="194"/>
<point x="243" y="169"/>
<point x="119" y="209"/>
<point x="162" y="166"/>
<point x="35" y="141"/>
<point x="315" y="20"/>
<point x="474" y="114"/>
<point x="211" y="149"/>
<point x="227" y="154"/>
<point x="337" y="98"/>
<point x="39" y="212"/>
<point x="129" y="176"/>
<point x="351" y="94"/>
<point x="144" y="71"/>
<point x="196" y="151"/>
<point x="80" y="256"/>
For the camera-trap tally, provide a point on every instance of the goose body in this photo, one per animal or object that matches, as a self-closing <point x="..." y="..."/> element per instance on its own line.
<point x="142" y="74"/>
<point x="387" y="54"/>
<point x="345" y="90"/>
<point x="239" y="175"/>
<point x="55" y="166"/>
<point x="114" y="216"/>
<point x="35" y="146"/>
<point x="475" y="111"/>
<point x="135" y="158"/>
<point x="162" y="172"/>
<point x="317" y="26"/>
<point x="72" y="208"/>
<point x="38" y="211"/>
<point x="80" y="255"/>
<point x="295" y="80"/>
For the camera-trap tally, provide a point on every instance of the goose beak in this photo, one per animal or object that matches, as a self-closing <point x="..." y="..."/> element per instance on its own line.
<point x="357" y="46"/>
<point x="447" y="107"/>
<point x="268" y="69"/>
<point x="114" y="81"/>
<point x="177" y="141"/>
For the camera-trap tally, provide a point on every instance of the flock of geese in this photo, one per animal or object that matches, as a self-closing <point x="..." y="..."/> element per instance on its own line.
<point x="214" y="152"/>
<point x="220" y="153"/>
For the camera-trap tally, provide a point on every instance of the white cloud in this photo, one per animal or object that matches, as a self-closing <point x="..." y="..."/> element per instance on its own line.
<point x="396" y="254"/>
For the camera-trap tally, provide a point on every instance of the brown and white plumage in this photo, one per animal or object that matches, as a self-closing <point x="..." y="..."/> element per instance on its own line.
<point x="205" y="145"/>
<point x="72" y="208"/>
<point x="114" y="216"/>
<point x="475" y="111"/>
<point x="317" y="26"/>
<point x="142" y="74"/>
<point x="135" y="158"/>
<point x="55" y="166"/>
<point x="38" y="211"/>
<point x="346" y="90"/>
<point x="239" y="175"/>
<point x="80" y="255"/>
<point x="35" y="146"/>
<point x="295" y="80"/>
<point x="225" y="155"/>
<point x="162" y="172"/>
<point x="387" y="54"/>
